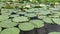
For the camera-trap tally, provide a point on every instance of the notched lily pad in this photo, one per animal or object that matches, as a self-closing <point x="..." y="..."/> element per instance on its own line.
<point x="37" y="23"/>
<point x="26" y="26"/>
<point x="47" y="20"/>
<point x="56" y="20"/>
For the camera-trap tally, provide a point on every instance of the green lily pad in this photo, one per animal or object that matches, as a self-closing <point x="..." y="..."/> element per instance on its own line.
<point x="13" y="15"/>
<point x="7" y="24"/>
<point x="44" y="12"/>
<point x="20" y="19"/>
<point x="26" y="26"/>
<point x="37" y="23"/>
<point x="41" y="17"/>
<point x="0" y="29"/>
<point x="54" y="16"/>
<point x="4" y="10"/>
<point x="54" y="33"/>
<point x="31" y="15"/>
<point x="56" y="20"/>
<point x="10" y="31"/>
<point x="29" y="10"/>
<point x="47" y="20"/>
<point x="3" y="17"/>
<point x="21" y="13"/>
<point x="55" y="12"/>
<point x="55" y="9"/>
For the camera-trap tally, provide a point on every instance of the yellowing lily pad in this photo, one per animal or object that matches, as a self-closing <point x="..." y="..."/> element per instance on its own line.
<point x="26" y="26"/>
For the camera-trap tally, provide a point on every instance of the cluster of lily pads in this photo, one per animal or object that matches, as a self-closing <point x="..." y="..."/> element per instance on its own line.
<point x="15" y="17"/>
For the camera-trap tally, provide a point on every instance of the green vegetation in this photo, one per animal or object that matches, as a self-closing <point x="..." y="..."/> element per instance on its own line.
<point x="7" y="24"/>
<point x="26" y="26"/>
<point x="10" y="31"/>
<point x="20" y="19"/>
<point x="54" y="33"/>
<point x="37" y="23"/>
<point x="26" y="15"/>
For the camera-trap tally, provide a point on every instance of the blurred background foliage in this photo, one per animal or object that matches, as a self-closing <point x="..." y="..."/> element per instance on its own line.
<point x="33" y="1"/>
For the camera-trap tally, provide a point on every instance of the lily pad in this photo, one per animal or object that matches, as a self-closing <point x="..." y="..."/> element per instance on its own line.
<point x="0" y="29"/>
<point x="31" y="15"/>
<point x="20" y="19"/>
<point x="10" y="31"/>
<point x="14" y="15"/>
<point x="44" y="12"/>
<point x="56" y="20"/>
<point x="29" y="10"/>
<point x="47" y="20"/>
<point x="54" y="16"/>
<point x="4" y="10"/>
<point x="3" y="17"/>
<point x="37" y="23"/>
<point x="26" y="26"/>
<point x="7" y="24"/>
<point x="41" y="17"/>
<point x="54" y="33"/>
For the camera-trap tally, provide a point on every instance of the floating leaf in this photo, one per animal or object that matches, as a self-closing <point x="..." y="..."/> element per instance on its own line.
<point x="47" y="20"/>
<point x="10" y="31"/>
<point x="54" y="33"/>
<point x="54" y="16"/>
<point x="26" y="26"/>
<point x="0" y="29"/>
<point x="44" y="12"/>
<point x="20" y="19"/>
<point x="7" y="24"/>
<point x="14" y="15"/>
<point x="56" y="20"/>
<point x="41" y="17"/>
<point x="3" y="17"/>
<point x="31" y="15"/>
<point x="4" y="10"/>
<point x="37" y="23"/>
